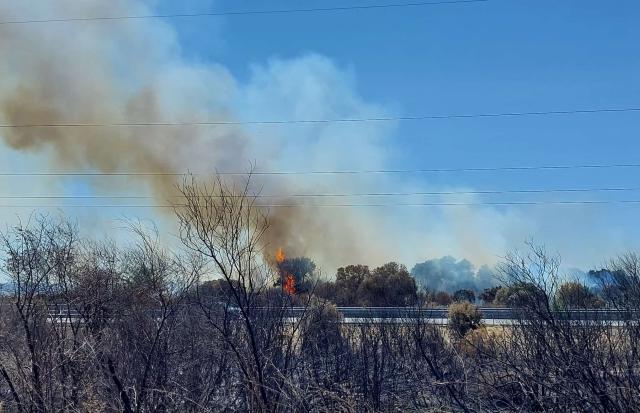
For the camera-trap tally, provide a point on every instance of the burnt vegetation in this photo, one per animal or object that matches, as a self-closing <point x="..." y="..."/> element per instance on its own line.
<point x="207" y="327"/>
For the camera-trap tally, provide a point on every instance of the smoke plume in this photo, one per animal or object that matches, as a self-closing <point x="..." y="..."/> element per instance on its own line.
<point x="132" y="71"/>
<point x="104" y="74"/>
<point x="125" y="71"/>
<point x="448" y="274"/>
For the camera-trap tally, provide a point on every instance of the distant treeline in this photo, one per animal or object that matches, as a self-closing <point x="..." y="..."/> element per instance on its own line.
<point x="391" y="285"/>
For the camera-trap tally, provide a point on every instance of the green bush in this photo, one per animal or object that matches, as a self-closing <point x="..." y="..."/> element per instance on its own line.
<point x="575" y="295"/>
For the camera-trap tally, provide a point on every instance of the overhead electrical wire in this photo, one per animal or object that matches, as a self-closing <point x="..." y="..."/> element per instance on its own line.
<point x="313" y="121"/>
<point x="244" y="12"/>
<point x="344" y="195"/>
<point x="329" y="172"/>
<point x="116" y="124"/>
<point x="417" y="204"/>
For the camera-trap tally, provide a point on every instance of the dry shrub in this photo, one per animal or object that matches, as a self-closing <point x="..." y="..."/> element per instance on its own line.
<point x="321" y="325"/>
<point x="464" y="316"/>
<point x="477" y="342"/>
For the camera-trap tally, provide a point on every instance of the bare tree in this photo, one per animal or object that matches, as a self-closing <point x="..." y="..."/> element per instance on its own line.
<point x="224" y="224"/>
<point x="38" y="254"/>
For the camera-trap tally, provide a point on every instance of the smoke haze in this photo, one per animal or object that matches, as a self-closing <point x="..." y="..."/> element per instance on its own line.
<point x="448" y="274"/>
<point x="134" y="71"/>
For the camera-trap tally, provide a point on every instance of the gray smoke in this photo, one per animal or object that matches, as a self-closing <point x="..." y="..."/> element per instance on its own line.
<point x="448" y="274"/>
<point x="134" y="71"/>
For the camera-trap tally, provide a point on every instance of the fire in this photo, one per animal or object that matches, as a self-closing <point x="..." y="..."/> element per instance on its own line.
<point x="287" y="280"/>
<point x="289" y="285"/>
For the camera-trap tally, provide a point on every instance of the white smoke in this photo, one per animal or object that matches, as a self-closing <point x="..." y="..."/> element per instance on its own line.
<point x="134" y="71"/>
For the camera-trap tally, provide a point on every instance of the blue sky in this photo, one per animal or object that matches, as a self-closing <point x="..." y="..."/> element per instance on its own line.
<point x="498" y="56"/>
<point x="491" y="57"/>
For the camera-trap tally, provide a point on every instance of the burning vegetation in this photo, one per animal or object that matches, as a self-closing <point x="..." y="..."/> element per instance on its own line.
<point x="287" y="281"/>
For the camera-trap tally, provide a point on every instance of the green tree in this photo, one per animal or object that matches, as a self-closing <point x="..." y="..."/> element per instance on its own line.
<point x="348" y="280"/>
<point x="521" y="294"/>
<point x="488" y="295"/>
<point x="442" y="298"/>
<point x="576" y="295"/>
<point x="464" y="295"/>
<point x="388" y="285"/>
<point x="620" y="286"/>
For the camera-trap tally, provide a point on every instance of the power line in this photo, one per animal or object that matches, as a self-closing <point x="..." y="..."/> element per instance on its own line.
<point x="328" y="172"/>
<point x="353" y="205"/>
<point x="312" y="121"/>
<point x="245" y="12"/>
<point x="342" y="195"/>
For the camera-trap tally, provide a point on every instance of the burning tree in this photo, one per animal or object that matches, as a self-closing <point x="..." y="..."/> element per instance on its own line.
<point x="287" y="280"/>
<point x="294" y="273"/>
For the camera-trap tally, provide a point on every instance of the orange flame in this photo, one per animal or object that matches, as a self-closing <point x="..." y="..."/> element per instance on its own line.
<point x="288" y="281"/>
<point x="290" y="285"/>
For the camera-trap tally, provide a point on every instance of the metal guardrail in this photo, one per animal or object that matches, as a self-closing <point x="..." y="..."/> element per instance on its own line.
<point x="409" y="313"/>
<point x="491" y="313"/>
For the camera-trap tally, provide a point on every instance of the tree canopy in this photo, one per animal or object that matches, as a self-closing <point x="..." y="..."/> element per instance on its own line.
<point x="575" y="295"/>
<point x="387" y="285"/>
